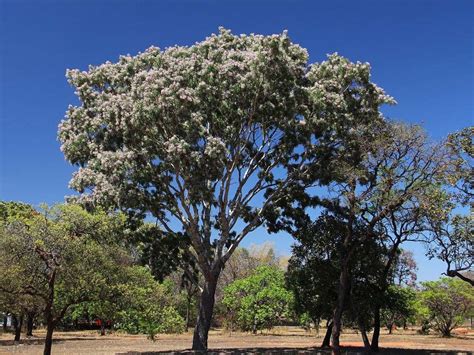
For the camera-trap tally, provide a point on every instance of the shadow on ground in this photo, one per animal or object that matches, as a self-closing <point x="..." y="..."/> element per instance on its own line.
<point x="303" y="351"/>
<point x="37" y="341"/>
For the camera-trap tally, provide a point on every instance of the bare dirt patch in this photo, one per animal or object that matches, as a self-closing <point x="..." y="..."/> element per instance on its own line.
<point x="284" y="340"/>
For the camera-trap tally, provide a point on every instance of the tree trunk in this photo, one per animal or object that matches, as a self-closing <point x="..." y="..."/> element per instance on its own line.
<point x="18" y="323"/>
<point x="327" y="337"/>
<point x="206" y="309"/>
<point x="376" y="335"/>
<point x="29" y="324"/>
<point x="5" y="322"/>
<point x="341" y="299"/>
<point x="365" y="338"/>
<point x="188" y="306"/>
<point x="254" y="325"/>
<point x="390" y="328"/>
<point x="102" y="327"/>
<point x="48" y="342"/>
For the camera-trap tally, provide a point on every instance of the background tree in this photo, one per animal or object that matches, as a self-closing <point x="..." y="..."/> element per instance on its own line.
<point x="396" y="170"/>
<point x="147" y="306"/>
<point x="448" y="301"/>
<point x="399" y="306"/>
<point x="20" y="307"/>
<point x="258" y="301"/>
<point x="450" y="233"/>
<point x="313" y="270"/>
<point x="404" y="269"/>
<point x="460" y="145"/>
<point x="383" y="172"/>
<point x="450" y="226"/>
<point x="58" y="260"/>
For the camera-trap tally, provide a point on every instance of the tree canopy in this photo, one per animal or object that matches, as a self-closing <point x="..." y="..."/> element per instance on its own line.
<point x="210" y="138"/>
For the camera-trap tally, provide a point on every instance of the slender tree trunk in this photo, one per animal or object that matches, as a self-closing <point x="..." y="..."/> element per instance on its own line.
<point x="48" y="342"/>
<point x="341" y="299"/>
<point x="206" y="309"/>
<point x="188" y="306"/>
<point x="376" y="335"/>
<point x="102" y="327"/>
<point x="5" y="322"/>
<point x="316" y="325"/>
<point x="29" y="324"/>
<point x="18" y="323"/>
<point x="327" y="337"/>
<point x="254" y="325"/>
<point x="390" y="328"/>
<point x="365" y="338"/>
<point x="50" y="321"/>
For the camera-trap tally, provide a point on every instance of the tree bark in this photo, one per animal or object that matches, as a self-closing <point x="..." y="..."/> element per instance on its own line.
<point x="48" y="342"/>
<point x="375" y="337"/>
<point x="327" y="337"/>
<point x="29" y="324"/>
<point x="188" y="306"/>
<point x="206" y="309"/>
<point x="341" y="299"/>
<point x="18" y="323"/>
<point x="365" y="338"/>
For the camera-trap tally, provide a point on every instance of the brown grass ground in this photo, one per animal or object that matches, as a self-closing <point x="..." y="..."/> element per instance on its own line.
<point x="296" y="339"/>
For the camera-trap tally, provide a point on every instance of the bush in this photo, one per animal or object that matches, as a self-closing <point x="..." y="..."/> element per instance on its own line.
<point x="259" y="301"/>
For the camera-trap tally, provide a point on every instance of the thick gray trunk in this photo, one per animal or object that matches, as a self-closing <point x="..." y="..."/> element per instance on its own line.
<point x="206" y="309"/>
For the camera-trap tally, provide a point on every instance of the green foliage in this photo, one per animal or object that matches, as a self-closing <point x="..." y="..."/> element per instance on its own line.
<point x="448" y="302"/>
<point x="12" y="211"/>
<point x="461" y="174"/>
<point x="59" y="249"/>
<point x="147" y="306"/>
<point x="304" y="320"/>
<point x="314" y="268"/>
<point x="259" y="301"/>
<point x="398" y="306"/>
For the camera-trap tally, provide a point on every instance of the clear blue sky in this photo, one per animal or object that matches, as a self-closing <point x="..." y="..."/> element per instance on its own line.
<point x="421" y="52"/>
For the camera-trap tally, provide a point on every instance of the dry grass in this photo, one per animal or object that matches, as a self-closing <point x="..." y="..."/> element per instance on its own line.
<point x="87" y="342"/>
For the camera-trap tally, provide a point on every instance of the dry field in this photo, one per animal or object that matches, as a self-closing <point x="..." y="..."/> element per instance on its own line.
<point x="281" y="340"/>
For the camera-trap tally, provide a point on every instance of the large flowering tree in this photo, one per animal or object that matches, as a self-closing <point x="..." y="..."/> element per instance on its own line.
<point x="208" y="139"/>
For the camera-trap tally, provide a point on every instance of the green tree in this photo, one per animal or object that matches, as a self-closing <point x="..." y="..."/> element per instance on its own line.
<point x="461" y="174"/>
<point x="58" y="260"/>
<point x="18" y="306"/>
<point x="315" y="266"/>
<point x="259" y="301"/>
<point x="398" y="306"/>
<point x="448" y="302"/>
<point x="313" y="270"/>
<point x="386" y="171"/>
<point x="145" y="305"/>
<point x="450" y="236"/>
